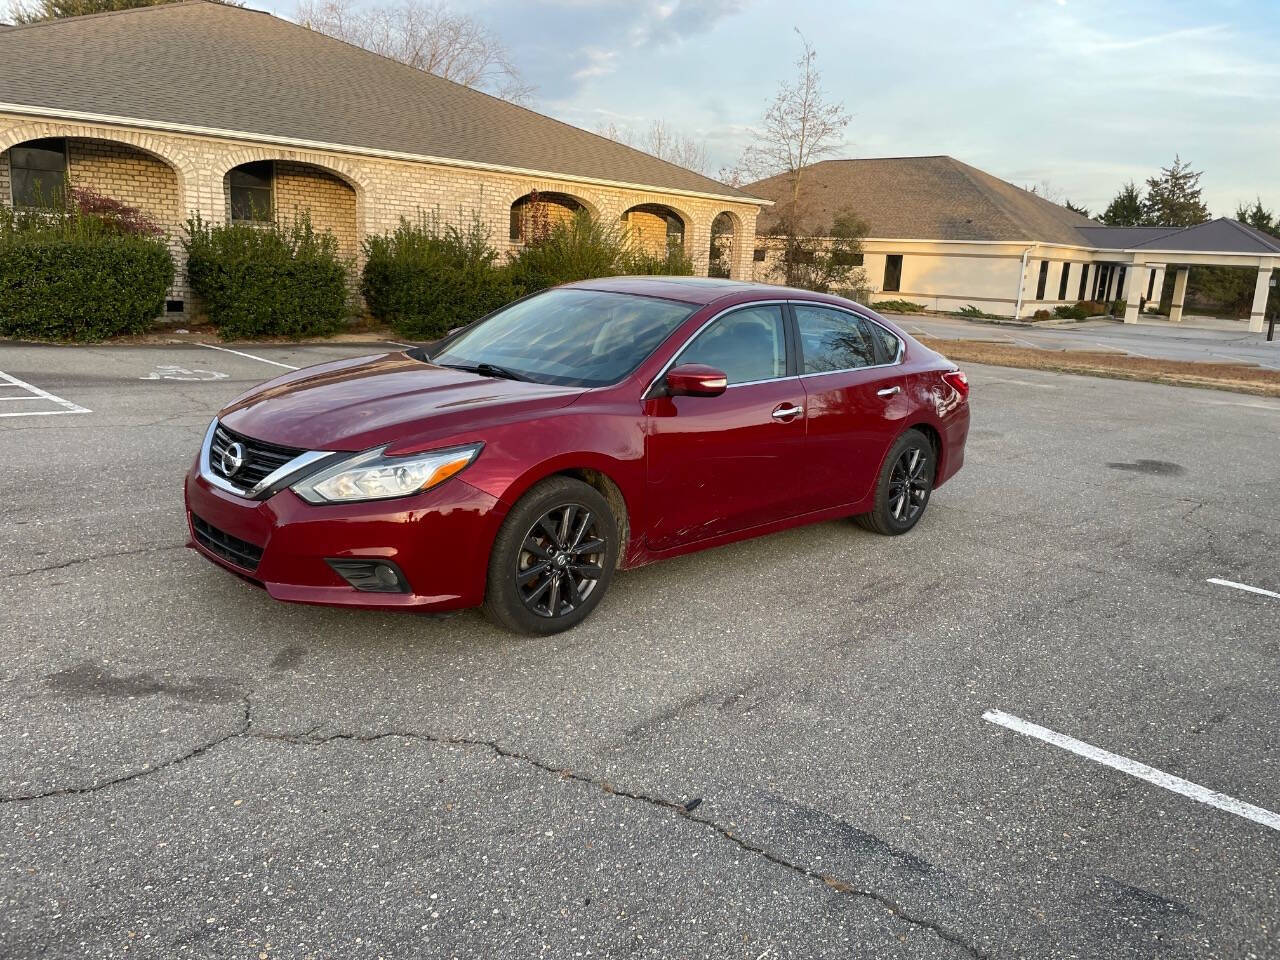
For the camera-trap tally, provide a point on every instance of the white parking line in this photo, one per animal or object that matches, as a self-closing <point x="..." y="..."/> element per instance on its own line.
<point x="274" y="363"/>
<point x="396" y="343"/>
<point x="38" y="394"/>
<point x="1135" y="769"/>
<point x="1243" y="586"/>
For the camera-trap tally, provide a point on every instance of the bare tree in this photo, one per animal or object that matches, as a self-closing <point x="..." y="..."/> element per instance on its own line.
<point x="663" y="141"/>
<point x="798" y="128"/>
<point x="425" y="34"/>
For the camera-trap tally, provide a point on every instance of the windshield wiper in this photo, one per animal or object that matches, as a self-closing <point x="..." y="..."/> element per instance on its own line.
<point x="487" y="370"/>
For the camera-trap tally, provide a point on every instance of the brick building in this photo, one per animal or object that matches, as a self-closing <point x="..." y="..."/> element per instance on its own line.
<point x="198" y="107"/>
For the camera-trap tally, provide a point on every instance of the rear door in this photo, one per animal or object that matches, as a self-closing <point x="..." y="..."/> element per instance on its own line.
<point x="851" y="371"/>
<point x="721" y="464"/>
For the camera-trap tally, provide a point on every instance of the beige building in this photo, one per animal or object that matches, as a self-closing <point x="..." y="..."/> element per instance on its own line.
<point x="201" y="108"/>
<point x="946" y="235"/>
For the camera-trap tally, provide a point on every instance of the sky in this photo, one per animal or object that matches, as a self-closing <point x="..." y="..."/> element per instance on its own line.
<point x="1081" y="94"/>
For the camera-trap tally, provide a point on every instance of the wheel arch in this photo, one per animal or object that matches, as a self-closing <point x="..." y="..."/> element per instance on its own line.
<point x="601" y="474"/>
<point x="935" y="440"/>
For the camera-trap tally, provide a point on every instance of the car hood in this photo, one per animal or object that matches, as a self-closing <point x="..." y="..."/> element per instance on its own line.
<point x="392" y="398"/>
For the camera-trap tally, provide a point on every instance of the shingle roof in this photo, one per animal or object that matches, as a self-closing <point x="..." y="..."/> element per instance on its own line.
<point x="205" y="64"/>
<point x="926" y="198"/>
<point x="1123" y="238"/>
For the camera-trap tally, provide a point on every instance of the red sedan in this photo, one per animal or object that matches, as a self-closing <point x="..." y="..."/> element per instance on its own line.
<point x="598" y="426"/>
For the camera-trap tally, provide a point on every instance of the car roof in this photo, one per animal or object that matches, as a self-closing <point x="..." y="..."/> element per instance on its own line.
<point x="699" y="290"/>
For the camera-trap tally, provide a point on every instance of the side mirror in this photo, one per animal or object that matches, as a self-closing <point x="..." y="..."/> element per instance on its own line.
<point x="696" y="380"/>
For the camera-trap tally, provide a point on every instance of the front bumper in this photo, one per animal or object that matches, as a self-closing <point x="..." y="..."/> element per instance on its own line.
<point x="440" y="540"/>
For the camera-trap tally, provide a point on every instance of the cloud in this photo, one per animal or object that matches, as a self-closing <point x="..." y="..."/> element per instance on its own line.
<point x="598" y="63"/>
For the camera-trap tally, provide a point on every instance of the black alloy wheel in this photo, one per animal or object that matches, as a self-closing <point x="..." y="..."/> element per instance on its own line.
<point x="904" y="486"/>
<point x="553" y="558"/>
<point x="560" y="561"/>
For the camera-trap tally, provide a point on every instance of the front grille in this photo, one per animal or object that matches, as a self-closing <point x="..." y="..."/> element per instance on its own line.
<point x="260" y="459"/>
<point x="232" y="549"/>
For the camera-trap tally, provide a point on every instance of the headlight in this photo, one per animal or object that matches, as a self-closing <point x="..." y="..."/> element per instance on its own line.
<point x="374" y="476"/>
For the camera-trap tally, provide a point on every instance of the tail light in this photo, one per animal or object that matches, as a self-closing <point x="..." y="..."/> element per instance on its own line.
<point x="958" y="382"/>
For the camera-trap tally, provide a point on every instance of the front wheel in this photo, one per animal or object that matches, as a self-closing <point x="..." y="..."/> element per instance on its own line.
<point x="553" y="558"/>
<point x="906" y="481"/>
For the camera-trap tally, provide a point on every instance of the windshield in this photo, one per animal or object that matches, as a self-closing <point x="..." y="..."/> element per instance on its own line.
<point x="585" y="338"/>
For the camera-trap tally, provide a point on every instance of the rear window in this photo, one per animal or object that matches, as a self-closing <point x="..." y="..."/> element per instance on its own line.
<point x="573" y="337"/>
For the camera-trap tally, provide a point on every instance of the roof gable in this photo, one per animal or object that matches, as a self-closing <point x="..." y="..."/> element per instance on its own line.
<point x="203" y="64"/>
<point x="927" y="198"/>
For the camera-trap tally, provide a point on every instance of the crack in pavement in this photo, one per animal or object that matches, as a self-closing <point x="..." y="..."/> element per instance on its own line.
<point x="152" y="548"/>
<point x="244" y="731"/>
<point x="834" y="883"/>
<point x="195" y="751"/>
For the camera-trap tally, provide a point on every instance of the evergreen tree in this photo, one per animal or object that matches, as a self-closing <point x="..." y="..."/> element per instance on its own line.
<point x="1083" y="211"/>
<point x="1126" y="209"/>
<point x="57" y="9"/>
<point x="1259" y="217"/>
<point x="1173" y="198"/>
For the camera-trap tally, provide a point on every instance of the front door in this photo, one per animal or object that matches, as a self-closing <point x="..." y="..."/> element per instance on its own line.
<point x="721" y="464"/>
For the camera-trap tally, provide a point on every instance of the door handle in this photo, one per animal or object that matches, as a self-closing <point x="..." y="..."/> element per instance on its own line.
<point x="786" y="413"/>
<point x="888" y="391"/>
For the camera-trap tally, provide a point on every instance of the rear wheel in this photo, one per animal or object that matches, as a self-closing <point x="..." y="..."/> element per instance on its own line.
<point x="906" y="481"/>
<point x="553" y="558"/>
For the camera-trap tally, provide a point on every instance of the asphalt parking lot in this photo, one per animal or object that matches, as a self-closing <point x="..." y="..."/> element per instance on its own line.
<point x="820" y="743"/>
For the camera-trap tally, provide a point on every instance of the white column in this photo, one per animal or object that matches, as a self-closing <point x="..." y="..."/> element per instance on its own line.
<point x="1260" y="292"/>
<point x="1135" y="284"/>
<point x="1179" y="293"/>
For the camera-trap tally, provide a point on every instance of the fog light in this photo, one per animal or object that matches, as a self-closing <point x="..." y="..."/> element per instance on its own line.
<point x="370" y="576"/>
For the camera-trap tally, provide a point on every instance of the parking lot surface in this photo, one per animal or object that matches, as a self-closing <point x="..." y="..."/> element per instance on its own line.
<point x="797" y="746"/>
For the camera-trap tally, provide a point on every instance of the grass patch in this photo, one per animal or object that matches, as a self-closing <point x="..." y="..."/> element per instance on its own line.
<point x="1241" y="378"/>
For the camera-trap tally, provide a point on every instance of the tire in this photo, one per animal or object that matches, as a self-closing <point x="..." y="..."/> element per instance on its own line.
<point x="542" y="580"/>
<point x="911" y="458"/>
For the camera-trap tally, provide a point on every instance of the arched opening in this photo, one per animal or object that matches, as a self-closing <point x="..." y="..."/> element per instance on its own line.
<point x="723" y="236"/>
<point x="283" y="191"/>
<point x="38" y="172"/>
<point x="534" y="214"/>
<point x="656" y="228"/>
<point x="102" y="175"/>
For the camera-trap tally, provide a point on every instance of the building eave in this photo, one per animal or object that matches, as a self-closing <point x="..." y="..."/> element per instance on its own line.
<point x="355" y="150"/>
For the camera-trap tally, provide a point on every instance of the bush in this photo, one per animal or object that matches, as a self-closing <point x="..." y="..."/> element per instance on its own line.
<point x="674" y="264"/>
<point x="1091" y="308"/>
<point x="1118" y="308"/>
<point x="898" y="306"/>
<point x="1070" y="312"/>
<point x="267" y="280"/>
<point x="969" y="310"/>
<point x="580" y="248"/>
<point x="425" y="279"/>
<point x="73" y="275"/>
<point x="1042" y="315"/>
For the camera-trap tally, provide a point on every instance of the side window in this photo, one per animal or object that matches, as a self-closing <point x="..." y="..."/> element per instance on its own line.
<point x="889" y="344"/>
<point x="834" y="340"/>
<point x="748" y="345"/>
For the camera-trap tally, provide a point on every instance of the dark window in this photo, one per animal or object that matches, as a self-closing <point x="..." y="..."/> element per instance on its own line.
<point x="251" y="191"/>
<point x="833" y="339"/>
<point x="585" y="338"/>
<point x="758" y="256"/>
<point x="892" y="273"/>
<point x="39" y="173"/>
<point x="1120" y="282"/>
<point x="748" y="345"/>
<point x="1151" y="283"/>
<point x="1062" y="284"/>
<point x="889" y="344"/>
<point x="1043" y="279"/>
<point x="1084" y="281"/>
<point x="173" y="306"/>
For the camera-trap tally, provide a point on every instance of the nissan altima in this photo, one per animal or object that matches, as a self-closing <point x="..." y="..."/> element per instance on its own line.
<point x="524" y="459"/>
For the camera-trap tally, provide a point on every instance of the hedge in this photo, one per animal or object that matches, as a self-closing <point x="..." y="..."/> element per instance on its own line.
<point x="424" y="279"/>
<point x="67" y="276"/>
<point x="267" y="280"/>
